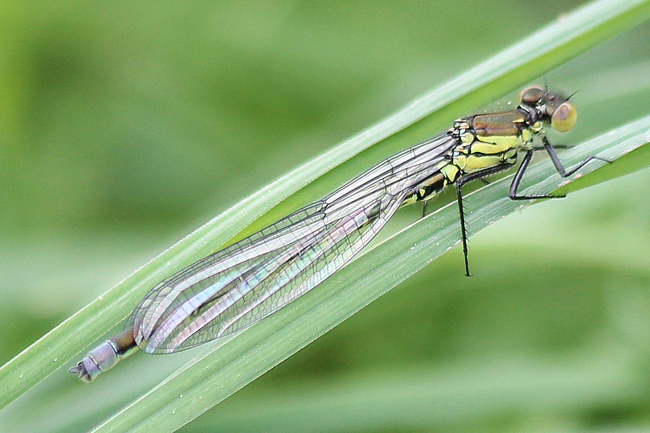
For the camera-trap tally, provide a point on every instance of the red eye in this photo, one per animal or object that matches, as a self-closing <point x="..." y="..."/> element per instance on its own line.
<point x="531" y="95"/>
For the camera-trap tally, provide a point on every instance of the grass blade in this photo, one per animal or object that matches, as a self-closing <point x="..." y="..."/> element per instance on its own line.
<point x="216" y="374"/>
<point x="525" y="60"/>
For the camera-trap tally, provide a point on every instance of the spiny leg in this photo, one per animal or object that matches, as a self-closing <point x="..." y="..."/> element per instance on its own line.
<point x="558" y="164"/>
<point x="555" y="146"/>
<point x="463" y="230"/>
<point x="459" y="197"/>
<point x="516" y="181"/>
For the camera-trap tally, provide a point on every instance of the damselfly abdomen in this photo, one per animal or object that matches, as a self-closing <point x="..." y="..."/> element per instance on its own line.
<point x="252" y="278"/>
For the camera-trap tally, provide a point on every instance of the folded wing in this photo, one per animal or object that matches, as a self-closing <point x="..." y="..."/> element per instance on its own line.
<point x="240" y="284"/>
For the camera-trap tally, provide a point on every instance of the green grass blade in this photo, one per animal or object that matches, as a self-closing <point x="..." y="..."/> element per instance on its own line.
<point x="216" y="374"/>
<point x="430" y="399"/>
<point x="543" y="50"/>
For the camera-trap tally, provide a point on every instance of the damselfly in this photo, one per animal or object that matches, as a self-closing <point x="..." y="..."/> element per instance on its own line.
<point x="254" y="277"/>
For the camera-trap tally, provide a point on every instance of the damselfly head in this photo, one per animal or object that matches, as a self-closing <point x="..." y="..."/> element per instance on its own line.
<point x="554" y="108"/>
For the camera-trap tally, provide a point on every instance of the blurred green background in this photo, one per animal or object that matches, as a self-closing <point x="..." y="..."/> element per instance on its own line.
<point x="125" y="125"/>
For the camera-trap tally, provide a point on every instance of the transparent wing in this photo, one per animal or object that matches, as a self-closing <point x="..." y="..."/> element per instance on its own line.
<point x="248" y="280"/>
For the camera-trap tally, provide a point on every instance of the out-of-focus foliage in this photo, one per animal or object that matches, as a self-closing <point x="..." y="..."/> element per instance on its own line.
<point x="125" y="125"/>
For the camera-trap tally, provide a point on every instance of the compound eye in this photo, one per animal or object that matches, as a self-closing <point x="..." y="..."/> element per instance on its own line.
<point x="564" y="118"/>
<point x="531" y="95"/>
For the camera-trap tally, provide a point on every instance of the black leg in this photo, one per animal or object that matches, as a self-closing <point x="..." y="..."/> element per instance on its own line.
<point x="555" y="146"/>
<point x="463" y="230"/>
<point x="558" y="166"/>
<point x="459" y="195"/>
<point x="517" y="180"/>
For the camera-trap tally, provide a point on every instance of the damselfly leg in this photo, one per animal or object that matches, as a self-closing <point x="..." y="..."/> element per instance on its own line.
<point x="516" y="181"/>
<point x="514" y="185"/>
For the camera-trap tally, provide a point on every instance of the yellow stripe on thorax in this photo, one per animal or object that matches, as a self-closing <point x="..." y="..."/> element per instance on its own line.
<point x="488" y="140"/>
